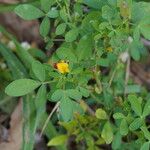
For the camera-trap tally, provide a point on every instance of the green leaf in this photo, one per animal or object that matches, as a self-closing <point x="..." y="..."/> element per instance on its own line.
<point x="135" y="104"/>
<point x="124" y="127"/>
<point x="40" y="103"/>
<point x="21" y="87"/>
<point x="133" y="88"/>
<point x="66" y="53"/>
<point x="41" y="100"/>
<point x="84" y="47"/>
<point x="29" y="125"/>
<point x="107" y="133"/>
<point x="71" y="35"/>
<point x="146" y="132"/>
<point x="145" y="30"/>
<point x="145" y="146"/>
<point x="74" y="94"/>
<point x="53" y="13"/>
<point x="16" y="67"/>
<point x="140" y="8"/>
<point x="136" y="124"/>
<point x="101" y="114"/>
<point x="146" y="110"/>
<point x="38" y="70"/>
<point x="135" y="50"/>
<point x="118" y="116"/>
<point x="24" y="55"/>
<point x="84" y="92"/>
<point x="103" y="62"/>
<point x="46" y="4"/>
<point x="96" y="4"/>
<point x="45" y="26"/>
<point x="76" y="108"/>
<point x="107" y="12"/>
<point x="63" y="14"/>
<point x="57" y="95"/>
<point x="28" y="12"/>
<point x="66" y="108"/>
<point x="58" y="140"/>
<point x="116" y="144"/>
<point x="61" y="28"/>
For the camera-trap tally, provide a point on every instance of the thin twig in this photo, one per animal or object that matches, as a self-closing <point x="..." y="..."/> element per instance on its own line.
<point x="88" y="108"/>
<point x="112" y="77"/>
<point x="127" y="74"/>
<point x="49" y="117"/>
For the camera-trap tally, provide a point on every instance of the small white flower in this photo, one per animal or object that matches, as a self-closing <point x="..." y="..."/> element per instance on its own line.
<point x="124" y="56"/>
<point x="3" y="65"/>
<point x="11" y="45"/>
<point x="25" y="45"/>
<point x="130" y="39"/>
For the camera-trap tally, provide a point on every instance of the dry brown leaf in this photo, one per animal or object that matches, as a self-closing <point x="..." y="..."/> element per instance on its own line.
<point x="15" y="132"/>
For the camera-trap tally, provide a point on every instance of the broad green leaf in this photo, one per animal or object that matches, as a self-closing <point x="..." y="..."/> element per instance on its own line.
<point x="71" y="35"/>
<point x="135" y="50"/>
<point x="103" y="62"/>
<point x="28" y="125"/>
<point x="144" y="28"/>
<point x="45" y="26"/>
<point x="133" y="88"/>
<point x="66" y="53"/>
<point x="112" y="2"/>
<point x="84" y="47"/>
<point x="87" y="27"/>
<point x="58" y="140"/>
<point x="37" y="53"/>
<point x="21" y="87"/>
<point x="28" y="12"/>
<point x="101" y="114"/>
<point x="61" y="28"/>
<point x="40" y="103"/>
<point x="118" y="116"/>
<point x="57" y="95"/>
<point x="84" y="92"/>
<point x="116" y="144"/>
<point x="124" y="127"/>
<point x="63" y="14"/>
<point x="46" y="4"/>
<point x="107" y="133"/>
<point x="66" y="108"/>
<point x="135" y="104"/>
<point x="136" y="124"/>
<point x="107" y="12"/>
<point x="74" y="94"/>
<point x="146" y="132"/>
<point x="38" y="70"/>
<point x="140" y="8"/>
<point x="53" y="13"/>
<point x="76" y="108"/>
<point x="145" y="146"/>
<point x="146" y="110"/>
<point x="96" y="4"/>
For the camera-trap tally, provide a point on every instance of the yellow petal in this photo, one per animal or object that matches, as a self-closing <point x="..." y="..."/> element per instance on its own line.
<point x="63" y="67"/>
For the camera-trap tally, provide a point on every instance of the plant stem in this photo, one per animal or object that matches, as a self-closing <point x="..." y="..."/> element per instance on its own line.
<point x="49" y="117"/>
<point x="98" y="82"/>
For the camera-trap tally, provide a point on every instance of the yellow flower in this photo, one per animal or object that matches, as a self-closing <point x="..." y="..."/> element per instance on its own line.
<point x="62" y="67"/>
<point x="109" y="49"/>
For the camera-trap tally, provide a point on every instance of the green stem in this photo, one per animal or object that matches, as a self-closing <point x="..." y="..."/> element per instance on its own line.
<point x="98" y="82"/>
